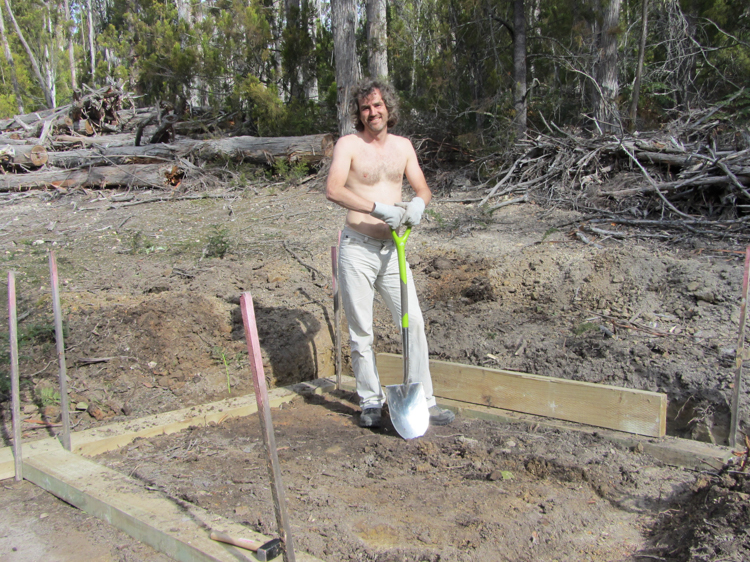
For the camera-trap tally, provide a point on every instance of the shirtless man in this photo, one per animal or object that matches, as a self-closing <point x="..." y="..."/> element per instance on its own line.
<point x="365" y="177"/>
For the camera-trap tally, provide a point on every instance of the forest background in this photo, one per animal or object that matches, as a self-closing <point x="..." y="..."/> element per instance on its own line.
<point x="480" y="72"/>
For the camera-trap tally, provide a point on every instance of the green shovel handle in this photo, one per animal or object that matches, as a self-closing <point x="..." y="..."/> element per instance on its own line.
<point x="401" y="252"/>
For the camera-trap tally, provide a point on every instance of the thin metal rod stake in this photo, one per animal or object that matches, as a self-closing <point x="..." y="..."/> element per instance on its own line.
<point x="266" y="426"/>
<point x="739" y="354"/>
<point x="14" y="386"/>
<point x="59" y="338"/>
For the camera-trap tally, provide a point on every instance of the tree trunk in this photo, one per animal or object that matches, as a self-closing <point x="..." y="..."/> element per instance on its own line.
<point x="377" y="39"/>
<point x="311" y="80"/>
<point x="71" y="52"/>
<point x="310" y="149"/>
<point x="34" y="64"/>
<point x="639" y="69"/>
<point x="92" y="51"/>
<point x="129" y="175"/>
<point x="11" y="64"/>
<point x="50" y="58"/>
<point x="519" y="66"/>
<point x="344" y="22"/>
<point x="605" y="97"/>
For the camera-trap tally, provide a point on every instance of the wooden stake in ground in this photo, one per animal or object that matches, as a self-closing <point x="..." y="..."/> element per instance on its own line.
<point x="739" y="354"/>
<point x="14" y="387"/>
<point x="264" y="413"/>
<point x="336" y="312"/>
<point x="64" y="410"/>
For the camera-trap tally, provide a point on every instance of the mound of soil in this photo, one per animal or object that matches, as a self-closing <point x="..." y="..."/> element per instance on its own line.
<point x="150" y="297"/>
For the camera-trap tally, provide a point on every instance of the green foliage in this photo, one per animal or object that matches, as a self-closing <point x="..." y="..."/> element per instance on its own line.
<point x="260" y="104"/>
<point x="290" y="172"/>
<point x="218" y="354"/>
<point x="38" y="333"/>
<point x="41" y="333"/>
<point x="218" y="242"/>
<point x="549" y="232"/>
<point x="140" y="243"/>
<point x="48" y="396"/>
<point x="436" y="216"/>
<point x="585" y="327"/>
<point x="451" y="61"/>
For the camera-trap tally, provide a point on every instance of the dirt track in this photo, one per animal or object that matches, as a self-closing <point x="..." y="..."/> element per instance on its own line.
<point x="153" y="324"/>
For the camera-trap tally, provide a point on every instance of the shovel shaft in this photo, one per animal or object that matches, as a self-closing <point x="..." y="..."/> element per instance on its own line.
<point x="401" y="252"/>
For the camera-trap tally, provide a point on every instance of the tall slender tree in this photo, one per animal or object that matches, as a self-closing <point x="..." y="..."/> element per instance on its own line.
<point x="519" y="67"/>
<point x="71" y="50"/>
<point x="11" y="64"/>
<point x="344" y="23"/>
<point x="92" y="50"/>
<point x="377" y="39"/>
<point x="49" y="98"/>
<point x="633" y="113"/>
<point x="607" y="88"/>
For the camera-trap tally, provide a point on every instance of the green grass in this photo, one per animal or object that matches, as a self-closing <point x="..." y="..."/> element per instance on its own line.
<point x="585" y="327"/>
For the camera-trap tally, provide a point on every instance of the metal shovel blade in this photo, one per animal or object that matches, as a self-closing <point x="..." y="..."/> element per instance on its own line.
<point x="408" y="408"/>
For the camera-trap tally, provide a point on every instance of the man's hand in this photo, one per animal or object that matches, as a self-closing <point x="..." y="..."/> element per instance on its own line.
<point x="390" y="214"/>
<point x="413" y="213"/>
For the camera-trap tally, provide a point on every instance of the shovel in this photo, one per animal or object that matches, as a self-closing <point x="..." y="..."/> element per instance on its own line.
<point x="407" y="402"/>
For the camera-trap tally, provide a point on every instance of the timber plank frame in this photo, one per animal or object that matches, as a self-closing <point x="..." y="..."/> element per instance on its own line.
<point x="152" y="520"/>
<point x="639" y="412"/>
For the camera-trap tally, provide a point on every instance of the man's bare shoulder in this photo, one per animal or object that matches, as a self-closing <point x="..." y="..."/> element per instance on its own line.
<point x="401" y="142"/>
<point x="349" y="140"/>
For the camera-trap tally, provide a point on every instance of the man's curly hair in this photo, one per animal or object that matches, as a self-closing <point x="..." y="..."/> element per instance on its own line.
<point x="364" y="88"/>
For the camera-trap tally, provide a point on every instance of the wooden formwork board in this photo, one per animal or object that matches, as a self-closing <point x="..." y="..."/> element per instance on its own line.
<point x="633" y="411"/>
<point x="99" y="440"/>
<point x="176" y="528"/>
<point x="181" y="530"/>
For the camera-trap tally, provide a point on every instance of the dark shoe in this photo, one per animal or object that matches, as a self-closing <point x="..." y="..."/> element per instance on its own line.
<point x="370" y="417"/>
<point x="441" y="416"/>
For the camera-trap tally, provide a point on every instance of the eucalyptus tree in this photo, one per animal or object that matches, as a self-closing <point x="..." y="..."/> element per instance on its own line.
<point x="634" y="98"/>
<point x="37" y="24"/>
<point x="68" y="28"/>
<point x="11" y="64"/>
<point x="377" y="39"/>
<point x="606" y="87"/>
<point x="520" y="104"/>
<point x="344" y="26"/>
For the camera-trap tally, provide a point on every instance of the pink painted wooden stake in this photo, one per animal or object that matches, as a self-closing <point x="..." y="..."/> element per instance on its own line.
<point x="14" y="387"/>
<point x="739" y="354"/>
<point x="336" y="313"/>
<point x="266" y="426"/>
<point x="63" y="375"/>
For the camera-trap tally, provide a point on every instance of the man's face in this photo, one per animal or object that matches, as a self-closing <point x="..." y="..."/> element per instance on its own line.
<point x="373" y="113"/>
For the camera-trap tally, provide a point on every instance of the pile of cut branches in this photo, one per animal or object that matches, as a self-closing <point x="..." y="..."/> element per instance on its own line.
<point x="689" y="178"/>
<point x="102" y="140"/>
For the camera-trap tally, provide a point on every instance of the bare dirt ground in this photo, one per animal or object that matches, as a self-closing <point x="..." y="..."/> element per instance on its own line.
<point x="150" y="293"/>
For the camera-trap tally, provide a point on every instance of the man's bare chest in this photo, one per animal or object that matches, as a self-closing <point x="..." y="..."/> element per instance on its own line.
<point x="371" y="167"/>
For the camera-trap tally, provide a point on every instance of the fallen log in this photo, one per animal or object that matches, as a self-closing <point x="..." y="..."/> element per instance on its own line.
<point x="120" y="154"/>
<point x="101" y="177"/>
<point x="119" y="139"/>
<point x="23" y="155"/>
<point x="665" y="187"/>
<point x="309" y="149"/>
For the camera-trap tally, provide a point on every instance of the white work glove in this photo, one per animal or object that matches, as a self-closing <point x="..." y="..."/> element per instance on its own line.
<point x="389" y="214"/>
<point x="414" y="210"/>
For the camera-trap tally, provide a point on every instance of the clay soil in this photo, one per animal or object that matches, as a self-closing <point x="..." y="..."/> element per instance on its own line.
<point x="150" y="295"/>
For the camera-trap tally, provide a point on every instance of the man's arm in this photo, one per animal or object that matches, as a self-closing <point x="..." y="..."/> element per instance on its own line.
<point x="336" y="190"/>
<point x="422" y="194"/>
<point x="415" y="176"/>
